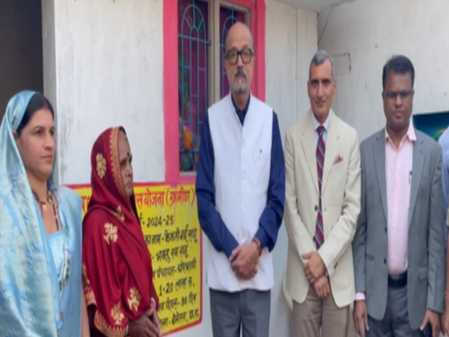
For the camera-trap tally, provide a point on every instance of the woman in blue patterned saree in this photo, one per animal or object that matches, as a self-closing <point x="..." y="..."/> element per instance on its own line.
<point x="40" y="229"/>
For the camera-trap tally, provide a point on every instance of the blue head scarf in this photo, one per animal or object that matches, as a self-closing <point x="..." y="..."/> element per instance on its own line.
<point x="30" y="300"/>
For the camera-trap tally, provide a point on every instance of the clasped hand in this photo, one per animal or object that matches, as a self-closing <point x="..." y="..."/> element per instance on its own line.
<point x="244" y="260"/>
<point x="314" y="271"/>
<point x="148" y="325"/>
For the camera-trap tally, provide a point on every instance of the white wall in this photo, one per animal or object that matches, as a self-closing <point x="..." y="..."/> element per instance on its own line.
<point x="371" y="31"/>
<point x="49" y="51"/>
<point x="291" y="42"/>
<point x="109" y="72"/>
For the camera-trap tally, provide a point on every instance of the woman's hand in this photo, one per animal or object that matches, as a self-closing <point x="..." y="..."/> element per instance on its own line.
<point x="147" y="325"/>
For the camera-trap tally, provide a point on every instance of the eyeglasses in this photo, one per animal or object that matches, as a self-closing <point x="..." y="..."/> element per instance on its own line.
<point x="392" y="95"/>
<point x="233" y="56"/>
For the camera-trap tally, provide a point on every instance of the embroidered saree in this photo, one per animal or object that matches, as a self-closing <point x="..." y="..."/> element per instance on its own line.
<point x="117" y="270"/>
<point x="35" y="299"/>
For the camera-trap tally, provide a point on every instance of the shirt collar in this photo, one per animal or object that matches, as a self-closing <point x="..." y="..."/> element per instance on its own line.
<point x="411" y="135"/>
<point x="316" y="124"/>
<point x="245" y="109"/>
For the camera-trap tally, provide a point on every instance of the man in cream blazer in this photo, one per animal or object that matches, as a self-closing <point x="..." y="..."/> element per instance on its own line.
<point x="321" y="208"/>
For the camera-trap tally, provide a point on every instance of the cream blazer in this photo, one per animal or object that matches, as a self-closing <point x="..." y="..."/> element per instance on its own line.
<point x="340" y="203"/>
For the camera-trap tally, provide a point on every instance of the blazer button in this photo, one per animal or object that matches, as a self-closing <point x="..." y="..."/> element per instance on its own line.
<point x="385" y="229"/>
<point x="316" y="208"/>
<point x="385" y="261"/>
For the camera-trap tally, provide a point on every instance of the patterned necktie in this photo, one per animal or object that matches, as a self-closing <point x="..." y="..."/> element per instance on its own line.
<point x="320" y="150"/>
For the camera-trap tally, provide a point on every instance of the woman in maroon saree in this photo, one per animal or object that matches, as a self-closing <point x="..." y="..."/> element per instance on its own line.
<point x="117" y="272"/>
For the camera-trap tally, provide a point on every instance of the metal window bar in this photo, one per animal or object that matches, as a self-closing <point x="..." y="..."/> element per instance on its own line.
<point x="224" y="32"/>
<point x="198" y="25"/>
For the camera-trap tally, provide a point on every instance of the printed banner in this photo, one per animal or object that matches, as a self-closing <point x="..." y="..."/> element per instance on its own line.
<point x="170" y="225"/>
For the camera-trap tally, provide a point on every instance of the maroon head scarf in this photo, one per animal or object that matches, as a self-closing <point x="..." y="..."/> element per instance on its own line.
<point x="117" y="270"/>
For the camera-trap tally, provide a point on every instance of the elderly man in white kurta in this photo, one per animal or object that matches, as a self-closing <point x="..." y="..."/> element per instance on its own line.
<point x="240" y="191"/>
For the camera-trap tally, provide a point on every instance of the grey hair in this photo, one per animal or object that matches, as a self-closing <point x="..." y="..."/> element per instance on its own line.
<point x="319" y="58"/>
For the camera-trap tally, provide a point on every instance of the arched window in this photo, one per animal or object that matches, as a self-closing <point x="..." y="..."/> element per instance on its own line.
<point x="193" y="44"/>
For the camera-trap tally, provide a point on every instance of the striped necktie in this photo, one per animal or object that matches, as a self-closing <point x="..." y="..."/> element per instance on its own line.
<point x="320" y="150"/>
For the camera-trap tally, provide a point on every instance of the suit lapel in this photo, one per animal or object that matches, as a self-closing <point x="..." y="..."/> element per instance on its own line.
<point x="308" y="146"/>
<point x="379" y="159"/>
<point x="332" y="148"/>
<point x="419" y="156"/>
